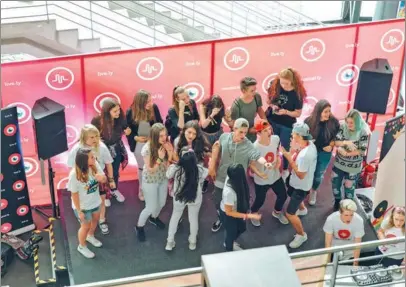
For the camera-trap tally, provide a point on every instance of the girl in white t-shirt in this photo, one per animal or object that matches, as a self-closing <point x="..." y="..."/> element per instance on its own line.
<point x="90" y="138"/>
<point x="234" y="206"/>
<point x="188" y="177"/>
<point x="392" y="228"/>
<point x="83" y="184"/>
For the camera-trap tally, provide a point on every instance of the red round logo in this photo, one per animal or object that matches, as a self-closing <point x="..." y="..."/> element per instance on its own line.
<point x="344" y="234"/>
<point x="10" y="130"/>
<point x="3" y="203"/>
<point x="6" y="227"/>
<point x="14" y="159"/>
<point x="22" y="210"/>
<point x="270" y="157"/>
<point x="18" y="185"/>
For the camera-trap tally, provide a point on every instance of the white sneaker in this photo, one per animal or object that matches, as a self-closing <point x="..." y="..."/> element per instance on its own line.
<point x="300" y="212"/>
<point x="85" y="252"/>
<point x="192" y="245"/>
<point x="118" y="195"/>
<point x="285" y="174"/>
<point x="107" y="202"/>
<point x="170" y="245"/>
<point x="312" y="197"/>
<point x="92" y="240"/>
<point x="282" y="218"/>
<point x="298" y="241"/>
<point x="236" y="246"/>
<point x="255" y="222"/>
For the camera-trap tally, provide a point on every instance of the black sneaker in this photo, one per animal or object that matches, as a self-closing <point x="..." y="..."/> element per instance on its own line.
<point x="140" y="233"/>
<point x="157" y="222"/>
<point x="336" y="205"/>
<point x="216" y="226"/>
<point x="205" y="186"/>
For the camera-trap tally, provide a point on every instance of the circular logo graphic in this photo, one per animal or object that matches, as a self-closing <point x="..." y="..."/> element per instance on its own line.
<point x="312" y="50"/>
<point x="195" y="91"/>
<point x="149" y="68"/>
<point x="6" y="227"/>
<point x="392" y="40"/>
<point x="72" y="134"/>
<point x="270" y="157"/>
<point x="10" y="130"/>
<point x="59" y="78"/>
<point x="236" y="58"/>
<point x="267" y="82"/>
<point x="18" y="185"/>
<point x="31" y="166"/>
<point x="63" y="183"/>
<point x="308" y="106"/>
<point x="23" y="210"/>
<point x="344" y="234"/>
<point x="3" y="203"/>
<point x="14" y="158"/>
<point x="23" y="112"/>
<point x="98" y="101"/>
<point x="347" y="75"/>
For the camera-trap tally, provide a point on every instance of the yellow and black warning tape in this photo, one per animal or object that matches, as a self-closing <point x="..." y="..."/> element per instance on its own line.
<point x="53" y="246"/>
<point x="38" y="281"/>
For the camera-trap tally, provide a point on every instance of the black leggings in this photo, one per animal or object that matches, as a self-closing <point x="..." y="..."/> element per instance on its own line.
<point x="233" y="227"/>
<point x="116" y="170"/>
<point x="278" y="188"/>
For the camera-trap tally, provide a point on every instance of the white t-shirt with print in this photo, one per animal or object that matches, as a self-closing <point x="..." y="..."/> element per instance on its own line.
<point x="392" y="232"/>
<point x="89" y="195"/>
<point x="344" y="233"/>
<point x="103" y="155"/>
<point x="172" y="173"/>
<point x="306" y="161"/>
<point x="271" y="154"/>
<point x="229" y="197"/>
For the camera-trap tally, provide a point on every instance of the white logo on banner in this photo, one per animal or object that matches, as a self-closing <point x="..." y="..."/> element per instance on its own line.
<point x="59" y="78"/>
<point x="23" y="112"/>
<point x="31" y="166"/>
<point x="63" y="183"/>
<point x="149" y="68"/>
<point x="392" y="40"/>
<point x="312" y="50"/>
<point x="98" y="101"/>
<point x="236" y="58"/>
<point x="195" y="91"/>
<point x="72" y="134"/>
<point x="267" y="81"/>
<point x="347" y="75"/>
<point x="308" y="106"/>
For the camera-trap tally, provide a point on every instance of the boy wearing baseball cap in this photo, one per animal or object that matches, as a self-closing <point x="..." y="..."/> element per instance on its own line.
<point x="302" y="158"/>
<point x="267" y="145"/>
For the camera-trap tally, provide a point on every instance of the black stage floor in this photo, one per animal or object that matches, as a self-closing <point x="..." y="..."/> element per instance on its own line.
<point x="123" y="256"/>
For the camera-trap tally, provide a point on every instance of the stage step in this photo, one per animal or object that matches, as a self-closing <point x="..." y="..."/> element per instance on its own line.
<point x="43" y="267"/>
<point x="58" y="251"/>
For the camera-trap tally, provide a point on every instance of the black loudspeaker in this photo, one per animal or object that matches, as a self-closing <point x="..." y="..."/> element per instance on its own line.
<point x="375" y="80"/>
<point x="49" y="128"/>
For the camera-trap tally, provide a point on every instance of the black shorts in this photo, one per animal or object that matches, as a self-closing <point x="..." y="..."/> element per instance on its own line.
<point x="296" y="198"/>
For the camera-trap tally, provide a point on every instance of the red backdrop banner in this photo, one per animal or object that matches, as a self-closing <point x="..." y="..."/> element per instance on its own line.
<point x="328" y="59"/>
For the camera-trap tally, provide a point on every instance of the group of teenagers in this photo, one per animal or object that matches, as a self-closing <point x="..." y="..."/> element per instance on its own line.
<point x="182" y="154"/>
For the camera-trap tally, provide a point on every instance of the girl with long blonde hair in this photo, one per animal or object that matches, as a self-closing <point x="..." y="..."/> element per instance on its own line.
<point x="90" y="138"/>
<point x="157" y="153"/>
<point x="286" y="95"/>
<point x="84" y="180"/>
<point x="141" y="115"/>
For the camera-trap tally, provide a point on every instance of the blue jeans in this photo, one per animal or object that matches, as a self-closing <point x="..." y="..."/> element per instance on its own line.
<point x="284" y="134"/>
<point x="88" y="214"/>
<point x="350" y="182"/>
<point x="323" y="159"/>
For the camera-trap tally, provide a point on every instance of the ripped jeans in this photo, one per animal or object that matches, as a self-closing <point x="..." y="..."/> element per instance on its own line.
<point x="350" y="182"/>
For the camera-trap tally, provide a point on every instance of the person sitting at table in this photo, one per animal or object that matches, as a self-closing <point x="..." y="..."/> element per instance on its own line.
<point x="345" y="227"/>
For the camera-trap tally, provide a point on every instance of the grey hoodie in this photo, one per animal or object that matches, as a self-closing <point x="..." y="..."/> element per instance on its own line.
<point x="232" y="153"/>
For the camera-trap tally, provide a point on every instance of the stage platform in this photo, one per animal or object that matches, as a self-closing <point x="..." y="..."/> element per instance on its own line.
<point x="123" y="256"/>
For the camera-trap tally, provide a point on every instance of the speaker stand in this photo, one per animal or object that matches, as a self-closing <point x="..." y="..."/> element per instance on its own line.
<point x="49" y="210"/>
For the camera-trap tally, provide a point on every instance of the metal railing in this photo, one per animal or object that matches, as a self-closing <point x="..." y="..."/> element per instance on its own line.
<point x="337" y="251"/>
